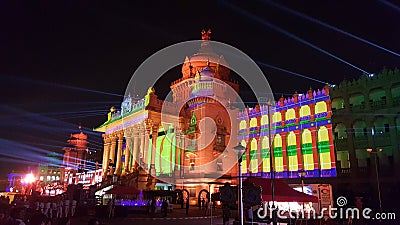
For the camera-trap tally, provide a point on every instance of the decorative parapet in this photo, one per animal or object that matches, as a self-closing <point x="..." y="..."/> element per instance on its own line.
<point x="366" y="80"/>
<point x="297" y="122"/>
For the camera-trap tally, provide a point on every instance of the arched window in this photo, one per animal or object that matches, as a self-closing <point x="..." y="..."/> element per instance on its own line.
<point x="265" y="154"/>
<point x="253" y="156"/>
<point x="343" y="158"/>
<point x="253" y="122"/>
<point x="306" y="147"/>
<point x="278" y="153"/>
<point x="243" y="125"/>
<point x="264" y="120"/>
<point x="381" y="126"/>
<point x="320" y="107"/>
<point x="377" y="95"/>
<point x="244" y="158"/>
<point x="324" y="148"/>
<point x="360" y="129"/>
<point x="277" y="117"/>
<point x="292" y="152"/>
<point x="305" y="111"/>
<point x="338" y="103"/>
<point x="340" y="131"/>
<point x="357" y="100"/>
<point x="395" y="90"/>
<point x="253" y="125"/>
<point x="290" y="116"/>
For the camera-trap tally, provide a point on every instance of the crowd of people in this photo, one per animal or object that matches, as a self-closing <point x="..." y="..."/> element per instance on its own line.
<point x="56" y="210"/>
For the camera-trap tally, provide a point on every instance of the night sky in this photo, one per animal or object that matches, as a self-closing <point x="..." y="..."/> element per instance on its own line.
<point x="67" y="62"/>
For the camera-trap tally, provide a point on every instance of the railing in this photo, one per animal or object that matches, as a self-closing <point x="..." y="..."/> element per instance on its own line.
<point x="357" y="108"/>
<point x="363" y="171"/>
<point x="344" y="172"/>
<point x="378" y="104"/>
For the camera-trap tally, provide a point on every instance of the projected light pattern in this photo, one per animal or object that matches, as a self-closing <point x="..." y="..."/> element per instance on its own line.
<point x="301" y="137"/>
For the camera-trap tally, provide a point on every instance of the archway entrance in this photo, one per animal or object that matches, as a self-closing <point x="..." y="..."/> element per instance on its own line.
<point x="203" y="194"/>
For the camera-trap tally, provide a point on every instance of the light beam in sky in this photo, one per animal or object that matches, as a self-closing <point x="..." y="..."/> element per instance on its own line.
<point x="288" y="34"/>
<point x="329" y="26"/>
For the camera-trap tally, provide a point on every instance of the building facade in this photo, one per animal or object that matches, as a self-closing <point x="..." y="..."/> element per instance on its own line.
<point x="50" y="171"/>
<point x="299" y="131"/>
<point x="366" y="115"/>
<point x="176" y="152"/>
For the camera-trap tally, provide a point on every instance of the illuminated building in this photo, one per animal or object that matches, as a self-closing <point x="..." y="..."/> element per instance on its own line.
<point x="136" y="143"/>
<point x="135" y="140"/>
<point x="15" y="181"/>
<point x="76" y="152"/>
<point x="49" y="171"/>
<point x="301" y="137"/>
<point x="367" y="116"/>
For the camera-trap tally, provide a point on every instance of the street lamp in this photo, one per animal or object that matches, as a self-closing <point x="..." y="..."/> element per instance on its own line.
<point x="271" y="165"/>
<point x="240" y="149"/>
<point x="302" y="174"/>
<point x="376" y="152"/>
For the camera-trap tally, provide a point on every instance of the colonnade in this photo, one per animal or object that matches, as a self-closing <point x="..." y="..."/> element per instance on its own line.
<point x="139" y="146"/>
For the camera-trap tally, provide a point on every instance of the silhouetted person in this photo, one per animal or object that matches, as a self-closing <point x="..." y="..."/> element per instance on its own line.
<point x="182" y="201"/>
<point x="187" y="206"/>
<point x="164" y="208"/>
<point x="226" y="213"/>
<point x="148" y="208"/>
<point x="153" y="206"/>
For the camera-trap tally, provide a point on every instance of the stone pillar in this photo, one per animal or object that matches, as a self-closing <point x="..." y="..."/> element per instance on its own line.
<point x="183" y="147"/>
<point x="177" y="148"/>
<point x="172" y="160"/>
<point x="128" y="149"/>
<point x="300" y="159"/>
<point x="118" y="168"/>
<point x="284" y="153"/>
<point x="135" y="152"/>
<point x="331" y="146"/>
<point x="145" y="148"/>
<point x="106" y="154"/>
<point x="315" y="150"/>
<point x="153" y="150"/>
<point x="112" y="150"/>
<point x="142" y="149"/>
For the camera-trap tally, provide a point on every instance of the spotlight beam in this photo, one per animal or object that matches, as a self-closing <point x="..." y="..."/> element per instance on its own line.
<point x="311" y="19"/>
<point x="55" y="85"/>
<point x="291" y="72"/>
<point x="288" y="34"/>
<point x="391" y="5"/>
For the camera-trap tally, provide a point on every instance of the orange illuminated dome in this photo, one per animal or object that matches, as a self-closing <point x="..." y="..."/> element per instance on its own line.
<point x="206" y="57"/>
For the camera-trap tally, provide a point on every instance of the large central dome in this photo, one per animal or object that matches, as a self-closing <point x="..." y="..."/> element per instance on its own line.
<point x="206" y="57"/>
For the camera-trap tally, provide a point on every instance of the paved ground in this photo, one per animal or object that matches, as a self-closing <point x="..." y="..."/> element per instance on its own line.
<point x="195" y="216"/>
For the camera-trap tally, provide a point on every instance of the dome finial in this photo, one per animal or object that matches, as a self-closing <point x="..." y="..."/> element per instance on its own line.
<point x="206" y="35"/>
